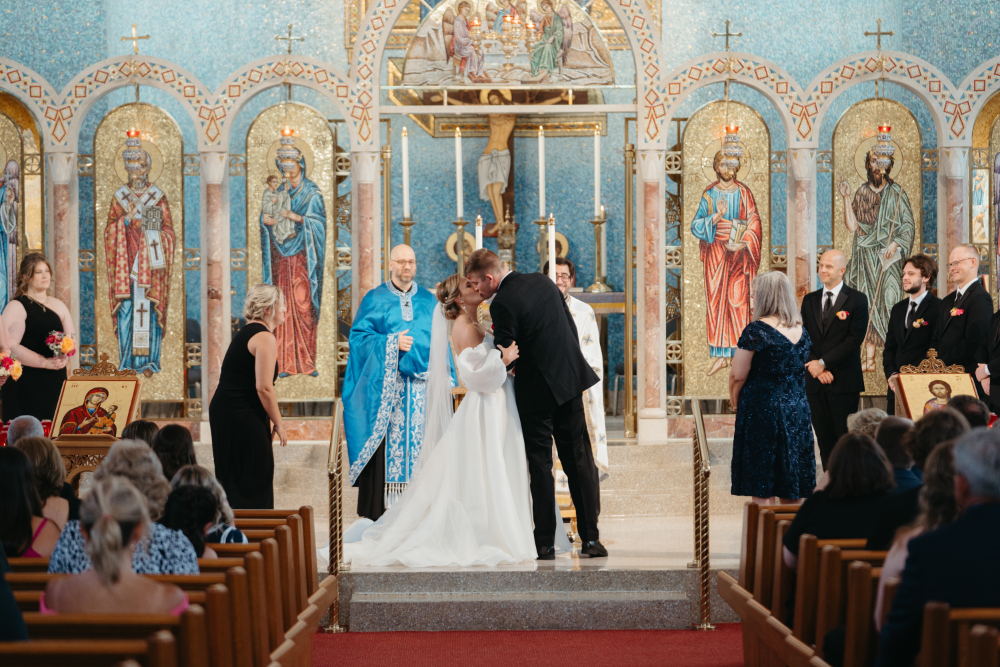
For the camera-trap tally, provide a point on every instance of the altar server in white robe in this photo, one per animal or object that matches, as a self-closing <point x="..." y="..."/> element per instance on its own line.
<point x="590" y="344"/>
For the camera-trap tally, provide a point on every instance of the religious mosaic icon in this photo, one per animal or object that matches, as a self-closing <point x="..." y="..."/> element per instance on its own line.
<point x="139" y="245"/>
<point x="11" y="206"/>
<point x="99" y="406"/>
<point x="140" y="308"/>
<point x="727" y="207"/>
<point x="519" y="42"/>
<point x="876" y="212"/>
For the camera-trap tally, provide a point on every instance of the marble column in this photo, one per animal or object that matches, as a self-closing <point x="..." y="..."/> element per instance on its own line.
<point x="953" y="227"/>
<point x="650" y="297"/>
<point x="62" y="169"/>
<point x="800" y="228"/>
<point x="366" y="236"/>
<point x="215" y="260"/>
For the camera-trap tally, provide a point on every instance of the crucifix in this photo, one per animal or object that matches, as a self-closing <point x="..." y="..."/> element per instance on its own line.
<point x="142" y="310"/>
<point x="878" y="34"/>
<point x="289" y="39"/>
<point x="134" y="39"/>
<point x="727" y="34"/>
<point x="156" y="253"/>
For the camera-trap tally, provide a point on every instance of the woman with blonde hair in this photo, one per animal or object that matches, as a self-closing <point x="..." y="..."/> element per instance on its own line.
<point x="224" y="530"/>
<point x="27" y="322"/>
<point x="164" y="551"/>
<point x="114" y="522"/>
<point x="49" y="475"/>
<point x="244" y="412"/>
<point x="773" y="442"/>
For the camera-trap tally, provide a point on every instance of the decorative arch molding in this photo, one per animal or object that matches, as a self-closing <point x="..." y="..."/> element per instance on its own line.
<point x="761" y="75"/>
<point x="33" y="91"/>
<point x="639" y="28"/>
<point x="976" y="89"/>
<point x="241" y="86"/>
<point x="950" y="111"/>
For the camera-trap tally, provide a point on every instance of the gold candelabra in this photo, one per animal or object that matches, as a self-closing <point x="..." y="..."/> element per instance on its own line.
<point x="600" y="281"/>
<point x="543" y="243"/>
<point x="406" y="223"/>
<point x="460" y="244"/>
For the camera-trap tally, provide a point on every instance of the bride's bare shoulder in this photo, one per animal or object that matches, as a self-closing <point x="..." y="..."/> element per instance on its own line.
<point x="465" y="334"/>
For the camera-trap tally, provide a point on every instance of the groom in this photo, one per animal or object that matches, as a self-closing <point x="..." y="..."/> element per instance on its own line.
<point x="552" y="375"/>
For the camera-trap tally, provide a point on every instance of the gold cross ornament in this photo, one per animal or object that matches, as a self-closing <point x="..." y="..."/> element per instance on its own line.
<point x="727" y="34"/>
<point x="134" y="39"/>
<point x="878" y="34"/>
<point x="289" y="39"/>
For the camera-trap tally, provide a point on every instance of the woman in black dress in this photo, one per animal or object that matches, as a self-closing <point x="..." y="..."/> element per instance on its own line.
<point x="244" y="411"/>
<point x="28" y="320"/>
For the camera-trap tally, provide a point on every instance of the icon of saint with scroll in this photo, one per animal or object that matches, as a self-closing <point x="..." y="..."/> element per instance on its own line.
<point x="139" y="242"/>
<point x="728" y="228"/>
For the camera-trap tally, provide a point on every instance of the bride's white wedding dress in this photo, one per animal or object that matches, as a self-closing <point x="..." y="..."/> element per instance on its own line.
<point x="470" y="502"/>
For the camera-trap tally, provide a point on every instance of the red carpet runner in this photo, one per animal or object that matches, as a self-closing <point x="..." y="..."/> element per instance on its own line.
<point x="606" y="648"/>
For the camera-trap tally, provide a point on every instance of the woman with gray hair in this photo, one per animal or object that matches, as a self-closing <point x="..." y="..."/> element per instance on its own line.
<point x="773" y="444"/>
<point x="244" y="412"/>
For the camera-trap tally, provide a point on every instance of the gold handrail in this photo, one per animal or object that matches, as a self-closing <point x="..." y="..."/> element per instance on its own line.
<point x="702" y="471"/>
<point x="335" y="476"/>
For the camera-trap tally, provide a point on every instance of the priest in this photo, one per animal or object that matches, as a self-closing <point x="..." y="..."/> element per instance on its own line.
<point x="384" y="387"/>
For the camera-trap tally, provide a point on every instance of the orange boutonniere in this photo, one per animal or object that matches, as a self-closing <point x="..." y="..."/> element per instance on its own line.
<point x="842" y="314"/>
<point x="955" y="312"/>
<point x="920" y="323"/>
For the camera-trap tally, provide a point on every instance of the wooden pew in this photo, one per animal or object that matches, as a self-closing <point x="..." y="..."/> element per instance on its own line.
<point x="29" y="586"/>
<point x="763" y="581"/>
<point x="984" y="646"/>
<point x="158" y="650"/>
<point x="783" y="575"/>
<point x="945" y="631"/>
<point x="748" y="546"/>
<point x="296" y="650"/>
<point x="29" y="564"/>
<point x="309" y="535"/>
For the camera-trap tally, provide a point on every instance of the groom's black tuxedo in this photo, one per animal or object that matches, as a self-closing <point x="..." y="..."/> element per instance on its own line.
<point x="551" y="376"/>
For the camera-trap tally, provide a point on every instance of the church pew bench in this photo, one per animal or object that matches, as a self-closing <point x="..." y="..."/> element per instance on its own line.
<point x="775" y="646"/>
<point x="944" y="639"/>
<point x="190" y="630"/>
<point x="29" y="586"/>
<point x="748" y="550"/>
<point x="210" y="565"/>
<point x="984" y="646"/>
<point x="784" y="576"/>
<point x="29" y="564"/>
<point x="158" y="650"/>
<point x="300" y="552"/>
<point x="309" y="535"/>
<point x="296" y="649"/>
<point x="763" y="581"/>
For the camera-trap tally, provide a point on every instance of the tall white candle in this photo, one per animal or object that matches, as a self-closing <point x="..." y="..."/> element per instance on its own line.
<point x="541" y="173"/>
<point x="406" y="175"/>
<point x="479" y="232"/>
<point x="604" y="245"/>
<point x="552" y="247"/>
<point x="458" y="171"/>
<point x="597" y="170"/>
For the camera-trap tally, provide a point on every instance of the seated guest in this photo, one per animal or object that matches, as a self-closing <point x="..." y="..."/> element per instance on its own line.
<point x="903" y="508"/>
<point x="12" y="628"/>
<point x="956" y="562"/>
<point x="166" y="552"/>
<point x="191" y="510"/>
<point x="865" y="422"/>
<point x="937" y="507"/>
<point x="860" y="477"/>
<point x="24" y="426"/>
<point x="975" y="411"/>
<point x="175" y="448"/>
<point x="24" y="532"/>
<point x="142" y="430"/>
<point x="890" y="435"/>
<point x="114" y="521"/>
<point x="224" y="530"/>
<point x="49" y="473"/>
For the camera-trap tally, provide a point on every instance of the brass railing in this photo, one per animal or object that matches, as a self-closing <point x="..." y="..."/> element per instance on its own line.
<point x="702" y="471"/>
<point x="335" y="475"/>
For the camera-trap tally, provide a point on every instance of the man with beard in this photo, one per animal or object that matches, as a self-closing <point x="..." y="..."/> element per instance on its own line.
<point x="728" y="227"/>
<point x="881" y="221"/>
<point x="911" y="323"/>
<point x="139" y="242"/>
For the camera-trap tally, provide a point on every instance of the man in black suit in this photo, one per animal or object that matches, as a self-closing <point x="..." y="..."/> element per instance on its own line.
<point x="988" y="364"/>
<point x="957" y="562"/>
<point x="965" y="314"/>
<point x="836" y="318"/>
<point x="912" y="322"/>
<point x="552" y="375"/>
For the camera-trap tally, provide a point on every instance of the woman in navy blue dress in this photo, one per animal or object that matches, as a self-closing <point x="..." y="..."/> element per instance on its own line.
<point x="773" y="454"/>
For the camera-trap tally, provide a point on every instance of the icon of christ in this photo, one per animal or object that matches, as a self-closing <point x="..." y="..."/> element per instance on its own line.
<point x="729" y="231"/>
<point x="139" y="242"/>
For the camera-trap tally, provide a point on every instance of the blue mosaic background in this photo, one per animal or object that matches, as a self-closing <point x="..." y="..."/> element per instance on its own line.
<point x="211" y="40"/>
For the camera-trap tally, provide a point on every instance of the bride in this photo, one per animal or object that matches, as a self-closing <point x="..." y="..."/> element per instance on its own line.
<point x="469" y="502"/>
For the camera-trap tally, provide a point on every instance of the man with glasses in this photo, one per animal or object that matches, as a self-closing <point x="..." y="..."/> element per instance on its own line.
<point x="384" y="386"/>
<point x="965" y="313"/>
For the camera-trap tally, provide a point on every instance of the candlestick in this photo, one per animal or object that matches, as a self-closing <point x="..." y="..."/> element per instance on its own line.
<point x="458" y="170"/>
<point x="407" y="223"/>
<point x="479" y="232"/>
<point x="406" y="176"/>
<point x="597" y="170"/>
<point x="604" y="246"/>
<point x="543" y="244"/>
<point x="600" y="259"/>
<point x="460" y="245"/>
<point x="541" y="173"/>
<point x="552" y="247"/>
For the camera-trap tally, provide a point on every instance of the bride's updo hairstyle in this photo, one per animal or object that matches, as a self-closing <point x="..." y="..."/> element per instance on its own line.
<point x="447" y="292"/>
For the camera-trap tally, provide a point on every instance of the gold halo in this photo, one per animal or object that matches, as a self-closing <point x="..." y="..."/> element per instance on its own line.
<point x="484" y="94"/>
<point x="898" y="167"/>
<point x="301" y="144"/>
<point x="708" y="157"/>
<point x="451" y="245"/>
<point x="562" y="245"/>
<point x="155" y="156"/>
